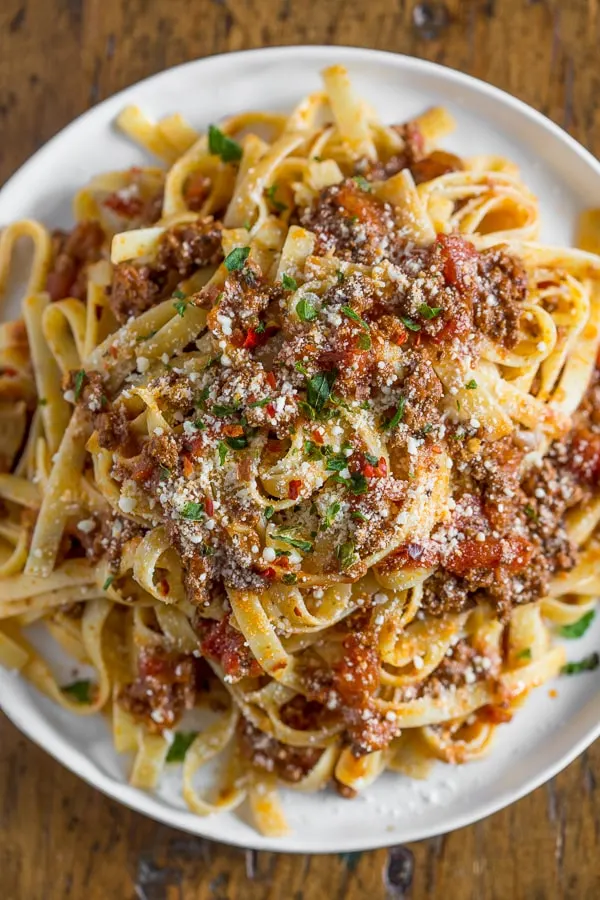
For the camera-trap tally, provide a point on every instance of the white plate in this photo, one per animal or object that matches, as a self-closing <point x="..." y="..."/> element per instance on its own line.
<point x="547" y="733"/>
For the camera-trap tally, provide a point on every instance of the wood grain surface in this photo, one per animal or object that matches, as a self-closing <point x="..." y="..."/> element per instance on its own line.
<point x="60" y="838"/>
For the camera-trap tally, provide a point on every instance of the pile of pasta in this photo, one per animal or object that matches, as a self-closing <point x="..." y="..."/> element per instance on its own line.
<point x="258" y="171"/>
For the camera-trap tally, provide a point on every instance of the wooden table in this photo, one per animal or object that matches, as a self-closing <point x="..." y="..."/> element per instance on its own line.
<point x="60" y="838"/>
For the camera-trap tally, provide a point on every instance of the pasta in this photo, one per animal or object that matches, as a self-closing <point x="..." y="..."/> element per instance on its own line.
<point x="301" y="428"/>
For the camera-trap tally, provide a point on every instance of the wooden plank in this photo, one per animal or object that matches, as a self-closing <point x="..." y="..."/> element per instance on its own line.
<point x="58" y="837"/>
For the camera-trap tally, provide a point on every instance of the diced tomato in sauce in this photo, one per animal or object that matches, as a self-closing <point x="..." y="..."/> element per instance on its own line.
<point x="356" y="675"/>
<point x="414" y="555"/>
<point x="294" y="489"/>
<point x="459" y="260"/>
<point x="227" y="646"/>
<point x="129" y="207"/>
<point x="513" y="553"/>
<point x="584" y="458"/>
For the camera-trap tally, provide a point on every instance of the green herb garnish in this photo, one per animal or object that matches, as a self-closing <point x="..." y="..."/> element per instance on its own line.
<point x="164" y="473"/>
<point x="257" y="403"/>
<point x="362" y="183"/>
<point x="78" y="381"/>
<point x="305" y="310"/>
<point x="319" y="389"/>
<point x="395" y="420"/>
<point x="587" y="664"/>
<point x="108" y="582"/>
<point x="296" y="543"/>
<point x="289" y="283"/>
<point x="223" y="409"/>
<point x="237" y="443"/>
<point x="290" y="578"/>
<point x="300" y="367"/>
<point x="364" y="342"/>
<point x="410" y="323"/>
<point x="221" y="145"/>
<point x="348" y="311"/>
<point x="269" y="512"/>
<point x="346" y="554"/>
<point x="429" y="312"/>
<point x="193" y="511"/>
<point x="181" y="306"/>
<point x="471" y="385"/>
<point x="531" y="513"/>
<point x="331" y="513"/>
<point x="80" y="690"/>
<point x="237" y="259"/>
<point x="223" y="450"/>
<point x="181" y="744"/>
<point x="358" y="483"/>
<point x="524" y="654"/>
<point x="358" y="515"/>
<point x="270" y="192"/>
<point x="578" y="628"/>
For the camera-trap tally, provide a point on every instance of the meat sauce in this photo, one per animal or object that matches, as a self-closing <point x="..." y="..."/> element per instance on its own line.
<point x="227" y="646"/>
<point x="165" y="686"/>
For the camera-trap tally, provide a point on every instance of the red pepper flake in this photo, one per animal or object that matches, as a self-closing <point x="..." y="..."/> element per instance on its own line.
<point x="251" y="340"/>
<point x="436" y="448"/>
<point x="209" y="506"/>
<point x="270" y="410"/>
<point x="270" y="573"/>
<point x="188" y="467"/>
<point x="317" y="437"/>
<point x="271" y="380"/>
<point x="294" y="489"/>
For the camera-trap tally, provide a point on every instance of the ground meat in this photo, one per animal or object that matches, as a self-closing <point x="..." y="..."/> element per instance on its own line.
<point x="135" y="289"/>
<point x="113" y="429"/>
<point x="165" y="686"/>
<point x="491" y="471"/>
<point x="502" y="292"/>
<point x="190" y="246"/>
<point x="87" y="388"/>
<point x="550" y="490"/>
<point x="350" y="223"/>
<point x="227" y="646"/>
<point x="196" y="190"/>
<point x="73" y="251"/>
<point x="422" y="391"/>
<point x="412" y="152"/>
<point x="265" y="752"/>
<point x="164" y="450"/>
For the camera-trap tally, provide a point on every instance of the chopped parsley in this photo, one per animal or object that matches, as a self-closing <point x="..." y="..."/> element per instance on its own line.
<point x="305" y="310"/>
<point x="297" y="543"/>
<point x="578" y="628"/>
<point x="471" y="385"/>
<point x="180" y="304"/>
<point x="300" y="367"/>
<point x="587" y="664"/>
<point x="319" y="389"/>
<point x="223" y="409"/>
<point x="524" y="654"/>
<point x="193" y="511"/>
<point x="78" y="381"/>
<point x="289" y="283"/>
<point x="362" y="183"/>
<point x="348" y="311"/>
<point x="221" y="145"/>
<point x="336" y="463"/>
<point x="182" y="742"/>
<point x="178" y="295"/>
<point x="277" y="204"/>
<point x="531" y="513"/>
<point x="346" y="554"/>
<point x="42" y="401"/>
<point x="269" y="512"/>
<point x="364" y="342"/>
<point x="223" y="450"/>
<point x="80" y="690"/>
<point x="340" y="275"/>
<point x="237" y="443"/>
<point x="395" y="420"/>
<point x="290" y="578"/>
<point x="373" y="460"/>
<point x="358" y="515"/>
<point x="237" y="259"/>
<point x="429" y="312"/>
<point x="358" y="483"/>
<point x="261" y="403"/>
<point x="108" y="582"/>
<point x="331" y="513"/>
<point x="164" y="473"/>
<point x="410" y="323"/>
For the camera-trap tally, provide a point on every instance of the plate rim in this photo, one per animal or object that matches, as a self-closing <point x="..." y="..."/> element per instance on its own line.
<point x="74" y="759"/>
